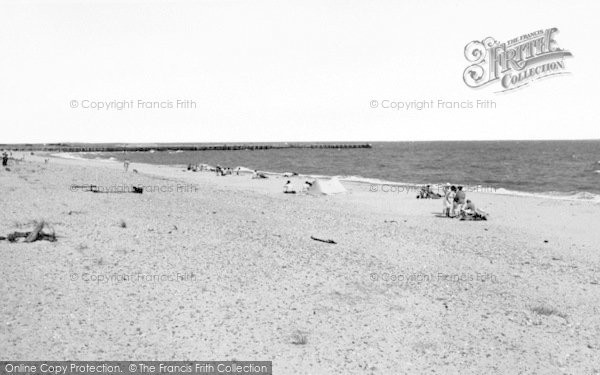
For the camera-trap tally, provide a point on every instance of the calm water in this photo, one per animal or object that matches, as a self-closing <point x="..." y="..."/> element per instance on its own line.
<point x="564" y="167"/>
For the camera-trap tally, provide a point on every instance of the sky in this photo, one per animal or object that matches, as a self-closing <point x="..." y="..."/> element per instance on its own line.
<point x="276" y="71"/>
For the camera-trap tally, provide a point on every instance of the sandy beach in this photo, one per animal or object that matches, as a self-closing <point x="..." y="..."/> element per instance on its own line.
<point x="207" y="267"/>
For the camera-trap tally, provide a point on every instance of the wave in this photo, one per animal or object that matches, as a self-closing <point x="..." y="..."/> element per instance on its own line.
<point x="558" y="195"/>
<point x="68" y="155"/>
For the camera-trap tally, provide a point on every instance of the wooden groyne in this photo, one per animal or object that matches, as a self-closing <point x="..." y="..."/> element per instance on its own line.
<point x="134" y="148"/>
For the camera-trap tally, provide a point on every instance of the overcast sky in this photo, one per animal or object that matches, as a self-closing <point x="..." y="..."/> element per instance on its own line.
<point x="283" y="70"/>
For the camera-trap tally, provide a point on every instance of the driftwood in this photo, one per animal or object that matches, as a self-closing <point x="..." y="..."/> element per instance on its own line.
<point x="321" y="240"/>
<point x="37" y="234"/>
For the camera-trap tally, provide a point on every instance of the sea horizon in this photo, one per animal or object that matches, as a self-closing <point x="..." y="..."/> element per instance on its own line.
<point x="115" y="143"/>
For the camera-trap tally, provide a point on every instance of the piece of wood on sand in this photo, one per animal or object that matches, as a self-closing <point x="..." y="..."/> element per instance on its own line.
<point x="322" y="240"/>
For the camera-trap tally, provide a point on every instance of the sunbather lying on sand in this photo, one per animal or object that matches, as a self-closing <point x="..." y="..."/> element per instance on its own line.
<point x="470" y="212"/>
<point x="257" y="174"/>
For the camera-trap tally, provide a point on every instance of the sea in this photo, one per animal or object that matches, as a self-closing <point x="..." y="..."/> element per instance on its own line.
<point x="559" y="169"/>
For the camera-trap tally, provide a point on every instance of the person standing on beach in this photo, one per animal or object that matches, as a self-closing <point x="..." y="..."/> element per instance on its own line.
<point x="4" y="159"/>
<point x="449" y="201"/>
<point x="459" y="200"/>
<point x="126" y="165"/>
<point x="446" y="204"/>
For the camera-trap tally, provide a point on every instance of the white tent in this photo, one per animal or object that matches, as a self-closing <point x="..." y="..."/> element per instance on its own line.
<point x="327" y="187"/>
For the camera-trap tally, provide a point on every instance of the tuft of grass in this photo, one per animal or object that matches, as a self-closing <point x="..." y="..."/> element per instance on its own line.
<point x="122" y="224"/>
<point x="299" y="338"/>
<point x="548" y="311"/>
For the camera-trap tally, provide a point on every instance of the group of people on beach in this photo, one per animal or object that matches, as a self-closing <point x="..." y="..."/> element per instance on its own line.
<point x="288" y="188"/>
<point x="220" y="171"/>
<point x="456" y="204"/>
<point x="223" y="171"/>
<point x="203" y="167"/>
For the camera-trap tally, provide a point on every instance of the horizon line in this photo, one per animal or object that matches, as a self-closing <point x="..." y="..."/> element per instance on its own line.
<point x="292" y="142"/>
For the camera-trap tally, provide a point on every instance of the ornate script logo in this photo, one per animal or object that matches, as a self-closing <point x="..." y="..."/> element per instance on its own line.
<point x="515" y="63"/>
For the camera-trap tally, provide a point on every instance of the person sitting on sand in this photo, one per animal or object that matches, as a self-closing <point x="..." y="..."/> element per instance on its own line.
<point x="423" y="193"/>
<point x="428" y="193"/>
<point x="288" y="189"/>
<point x="471" y="212"/>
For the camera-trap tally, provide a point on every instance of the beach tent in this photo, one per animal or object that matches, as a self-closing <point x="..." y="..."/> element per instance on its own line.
<point x="327" y="187"/>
